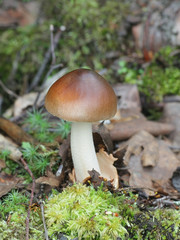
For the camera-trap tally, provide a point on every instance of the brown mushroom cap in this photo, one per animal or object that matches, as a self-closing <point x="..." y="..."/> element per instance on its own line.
<point x="81" y="96"/>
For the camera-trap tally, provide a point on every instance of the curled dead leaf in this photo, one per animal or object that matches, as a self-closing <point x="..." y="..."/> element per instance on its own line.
<point x="107" y="168"/>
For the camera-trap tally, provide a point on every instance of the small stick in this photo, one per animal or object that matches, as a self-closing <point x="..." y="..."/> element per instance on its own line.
<point x="32" y="196"/>
<point x="44" y="223"/>
<point x="52" y="44"/>
<point x="8" y="91"/>
<point x="47" y="57"/>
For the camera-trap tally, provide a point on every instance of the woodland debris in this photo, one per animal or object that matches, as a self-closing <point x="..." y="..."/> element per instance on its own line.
<point x="128" y="96"/>
<point x="50" y="179"/>
<point x="176" y="178"/>
<point x="15" y="132"/>
<point x="7" y="183"/>
<point x="107" y="168"/>
<point x="96" y="181"/>
<point x="32" y="195"/>
<point x="132" y="122"/>
<point x="47" y="57"/>
<point x="2" y="164"/>
<point x="15" y="13"/>
<point x="102" y="138"/>
<point x="143" y="177"/>
<point x="23" y="102"/>
<point x="8" y="144"/>
<point x="172" y="115"/>
<point x="158" y="27"/>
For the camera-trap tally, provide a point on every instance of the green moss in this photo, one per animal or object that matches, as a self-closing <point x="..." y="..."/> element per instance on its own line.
<point x="83" y="212"/>
<point x="13" y="213"/>
<point x="160" y="78"/>
<point x="158" y="82"/>
<point x="158" y="224"/>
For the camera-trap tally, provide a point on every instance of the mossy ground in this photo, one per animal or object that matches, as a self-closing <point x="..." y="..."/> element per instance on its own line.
<point x="83" y="212"/>
<point x="160" y="78"/>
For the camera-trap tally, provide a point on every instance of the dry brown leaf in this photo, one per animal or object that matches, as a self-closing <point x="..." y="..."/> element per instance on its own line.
<point x="7" y="182"/>
<point x="143" y="177"/>
<point x="107" y="168"/>
<point x="50" y="178"/>
<point x="7" y="144"/>
<point x="23" y="102"/>
<point x="101" y="138"/>
<point x="52" y="181"/>
<point x="108" y="171"/>
<point x="2" y="164"/>
<point x="144" y="145"/>
<point x="128" y="96"/>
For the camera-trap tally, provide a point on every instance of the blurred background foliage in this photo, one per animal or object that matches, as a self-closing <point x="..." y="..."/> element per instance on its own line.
<point x="97" y="36"/>
<point x="91" y="31"/>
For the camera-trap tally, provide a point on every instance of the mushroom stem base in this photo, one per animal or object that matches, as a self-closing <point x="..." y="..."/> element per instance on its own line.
<point x="82" y="149"/>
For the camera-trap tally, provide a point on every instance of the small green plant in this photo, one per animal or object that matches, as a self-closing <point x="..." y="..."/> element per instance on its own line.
<point x="158" y="82"/>
<point x="38" y="126"/>
<point x="64" y="128"/>
<point x="4" y="154"/>
<point x="11" y="167"/>
<point x="12" y="203"/>
<point x="130" y="75"/>
<point x="160" y="78"/>
<point x="38" y="157"/>
<point x="13" y="213"/>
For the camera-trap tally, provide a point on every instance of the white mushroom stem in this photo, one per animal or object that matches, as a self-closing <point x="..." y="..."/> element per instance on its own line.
<point x="82" y="149"/>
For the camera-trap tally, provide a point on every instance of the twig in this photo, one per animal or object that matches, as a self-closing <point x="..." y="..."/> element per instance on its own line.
<point x="32" y="196"/>
<point x="44" y="223"/>
<point x="8" y="91"/>
<point x="15" y="65"/>
<point x="47" y="57"/>
<point x="166" y="201"/>
<point x="52" y="45"/>
<point x="53" y="67"/>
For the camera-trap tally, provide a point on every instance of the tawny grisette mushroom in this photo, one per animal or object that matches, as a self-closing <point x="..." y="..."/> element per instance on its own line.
<point x="82" y="97"/>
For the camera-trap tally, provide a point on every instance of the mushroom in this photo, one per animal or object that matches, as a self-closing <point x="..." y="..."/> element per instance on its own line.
<point x="82" y="97"/>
